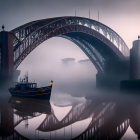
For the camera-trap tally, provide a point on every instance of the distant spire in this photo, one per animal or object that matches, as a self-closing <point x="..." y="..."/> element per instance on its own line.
<point x="98" y="15"/>
<point x="75" y="12"/>
<point x="89" y="12"/>
<point x="3" y="27"/>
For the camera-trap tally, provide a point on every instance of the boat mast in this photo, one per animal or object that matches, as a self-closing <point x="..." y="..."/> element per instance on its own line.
<point x="27" y="77"/>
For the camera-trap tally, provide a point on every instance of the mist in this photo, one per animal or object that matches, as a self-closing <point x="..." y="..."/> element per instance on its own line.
<point x="46" y="63"/>
<point x="74" y="75"/>
<point x="72" y="72"/>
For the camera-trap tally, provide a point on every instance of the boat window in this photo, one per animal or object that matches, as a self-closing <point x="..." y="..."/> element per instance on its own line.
<point x="34" y="85"/>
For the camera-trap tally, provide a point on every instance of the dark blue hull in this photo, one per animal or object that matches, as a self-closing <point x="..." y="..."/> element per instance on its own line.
<point x="40" y="93"/>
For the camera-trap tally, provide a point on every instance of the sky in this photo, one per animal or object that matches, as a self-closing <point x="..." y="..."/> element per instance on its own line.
<point x="123" y="16"/>
<point x="120" y="15"/>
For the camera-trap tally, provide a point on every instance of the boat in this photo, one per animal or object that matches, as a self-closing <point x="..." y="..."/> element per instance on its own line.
<point x="30" y="90"/>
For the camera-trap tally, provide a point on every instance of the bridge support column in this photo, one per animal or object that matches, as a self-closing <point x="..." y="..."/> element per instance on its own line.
<point x="135" y="60"/>
<point x="133" y="84"/>
<point x="6" y="55"/>
<point x="114" y="72"/>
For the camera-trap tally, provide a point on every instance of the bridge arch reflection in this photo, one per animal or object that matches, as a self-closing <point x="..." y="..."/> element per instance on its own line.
<point x="110" y="119"/>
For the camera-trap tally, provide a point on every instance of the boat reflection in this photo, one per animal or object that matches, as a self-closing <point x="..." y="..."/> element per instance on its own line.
<point x="25" y="107"/>
<point x="15" y="110"/>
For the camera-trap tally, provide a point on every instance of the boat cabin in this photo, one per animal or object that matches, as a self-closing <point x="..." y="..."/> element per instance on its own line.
<point x="24" y="86"/>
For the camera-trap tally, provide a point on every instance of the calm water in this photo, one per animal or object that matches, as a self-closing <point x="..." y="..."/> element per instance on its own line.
<point x="103" y="116"/>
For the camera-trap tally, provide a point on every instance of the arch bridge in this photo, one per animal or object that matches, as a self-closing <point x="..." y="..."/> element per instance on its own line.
<point x="99" y="42"/>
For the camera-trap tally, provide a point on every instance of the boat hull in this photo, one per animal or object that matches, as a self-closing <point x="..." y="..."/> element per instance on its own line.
<point x="40" y="93"/>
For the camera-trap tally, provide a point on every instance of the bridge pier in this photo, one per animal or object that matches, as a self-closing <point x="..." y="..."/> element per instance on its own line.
<point x="135" y="60"/>
<point x="6" y="55"/>
<point x="133" y="83"/>
<point x="114" y="72"/>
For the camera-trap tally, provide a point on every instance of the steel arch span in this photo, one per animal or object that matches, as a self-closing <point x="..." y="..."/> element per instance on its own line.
<point x="97" y="41"/>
